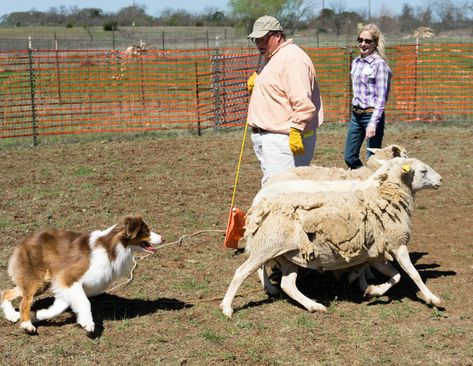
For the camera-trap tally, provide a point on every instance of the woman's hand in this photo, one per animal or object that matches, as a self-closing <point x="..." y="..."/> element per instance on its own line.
<point x="370" y="132"/>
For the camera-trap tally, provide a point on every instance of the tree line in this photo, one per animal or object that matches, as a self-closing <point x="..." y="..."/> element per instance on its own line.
<point x="440" y="15"/>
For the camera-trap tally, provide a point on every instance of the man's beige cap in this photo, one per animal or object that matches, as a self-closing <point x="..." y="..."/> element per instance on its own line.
<point x="263" y="25"/>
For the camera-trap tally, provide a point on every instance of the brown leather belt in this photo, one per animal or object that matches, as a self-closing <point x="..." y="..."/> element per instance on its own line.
<point x="359" y="110"/>
<point x="258" y="130"/>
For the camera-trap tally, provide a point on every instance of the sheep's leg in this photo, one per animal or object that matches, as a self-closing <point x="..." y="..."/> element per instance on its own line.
<point x="267" y="285"/>
<point x="250" y="266"/>
<point x="402" y="257"/>
<point x="359" y="273"/>
<point x="388" y="270"/>
<point x="288" y="285"/>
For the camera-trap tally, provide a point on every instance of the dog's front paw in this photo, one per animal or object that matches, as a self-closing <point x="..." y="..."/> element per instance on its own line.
<point x="88" y="326"/>
<point x="13" y="316"/>
<point x="28" y="327"/>
<point x="10" y="313"/>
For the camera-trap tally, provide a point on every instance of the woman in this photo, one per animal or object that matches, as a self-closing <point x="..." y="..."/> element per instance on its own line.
<point x="370" y="77"/>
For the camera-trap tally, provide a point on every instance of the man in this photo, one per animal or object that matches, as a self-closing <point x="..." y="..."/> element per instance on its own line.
<point x="285" y="107"/>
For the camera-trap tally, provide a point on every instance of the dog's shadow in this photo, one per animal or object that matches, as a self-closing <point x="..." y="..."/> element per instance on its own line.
<point x="112" y="307"/>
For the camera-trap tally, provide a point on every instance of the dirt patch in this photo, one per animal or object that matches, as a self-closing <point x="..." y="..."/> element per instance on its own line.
<point x="169" y="313"/>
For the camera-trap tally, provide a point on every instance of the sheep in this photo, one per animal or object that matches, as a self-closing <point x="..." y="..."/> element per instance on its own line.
<point x="304" y="178"/>
<point x="336" y="230"/>
<point x="319" y="173"/>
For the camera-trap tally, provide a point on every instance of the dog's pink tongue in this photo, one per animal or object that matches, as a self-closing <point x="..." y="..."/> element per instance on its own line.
<point x="149" y="248"/>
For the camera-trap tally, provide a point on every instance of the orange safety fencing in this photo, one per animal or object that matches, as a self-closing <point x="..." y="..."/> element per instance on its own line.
<point x="45" y="92"/>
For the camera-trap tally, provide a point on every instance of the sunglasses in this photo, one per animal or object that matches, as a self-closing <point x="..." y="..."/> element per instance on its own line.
<point x="366" y="40"/>
<point x="262" y="39"/>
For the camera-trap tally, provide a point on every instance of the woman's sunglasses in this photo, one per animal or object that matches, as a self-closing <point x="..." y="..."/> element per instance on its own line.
<point x="366" y="40"/>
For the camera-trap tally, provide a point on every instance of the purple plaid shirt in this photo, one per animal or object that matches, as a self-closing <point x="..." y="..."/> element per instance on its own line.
<point x="371" y="79"/>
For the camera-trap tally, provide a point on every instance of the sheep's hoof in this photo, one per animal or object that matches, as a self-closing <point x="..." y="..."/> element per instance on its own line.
<point x="372" y="291"/>
<point x="435" y="301"/>
<point x="316" y="307"/>
<point x="28" y="327"/>
<point x="227" y="310"/>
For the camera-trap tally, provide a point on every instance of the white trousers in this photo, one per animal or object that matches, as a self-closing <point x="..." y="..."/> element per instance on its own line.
<point x="274" y="155"/>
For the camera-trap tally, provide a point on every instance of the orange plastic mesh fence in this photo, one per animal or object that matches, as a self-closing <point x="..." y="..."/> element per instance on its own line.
<point x="45" y="92"/>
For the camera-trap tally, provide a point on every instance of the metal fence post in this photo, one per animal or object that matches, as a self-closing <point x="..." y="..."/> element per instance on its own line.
<point x="199" y="132"/>
<point x="216" y="88"/>
<point x="58" y="73"/>
<point x="350" y="91"/>
<point x="32" y="91"/>
<point x="416" y="65"/>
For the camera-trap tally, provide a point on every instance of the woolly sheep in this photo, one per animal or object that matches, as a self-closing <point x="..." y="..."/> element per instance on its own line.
<point x="313" y="178"/>
<point x="319" y="173"/>
<point x="336" y="230"/>
<point x="314" y="172"/>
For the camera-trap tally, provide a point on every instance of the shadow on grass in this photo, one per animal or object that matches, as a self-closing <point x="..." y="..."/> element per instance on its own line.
<point x="325" y="288"/>
<point x="112" y="307"/>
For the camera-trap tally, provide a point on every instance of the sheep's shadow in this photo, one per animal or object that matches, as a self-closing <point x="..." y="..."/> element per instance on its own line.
<point x="112" y="307"/>
<point x="325" y="287"/>
<point x="328" y="288"/>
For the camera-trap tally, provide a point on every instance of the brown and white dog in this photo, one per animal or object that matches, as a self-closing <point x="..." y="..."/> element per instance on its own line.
<point x="77" y="266"/>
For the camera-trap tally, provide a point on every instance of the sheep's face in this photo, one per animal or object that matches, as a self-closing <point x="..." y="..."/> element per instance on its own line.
<point x="419" y="175"/>
<point x="386" y="153"/>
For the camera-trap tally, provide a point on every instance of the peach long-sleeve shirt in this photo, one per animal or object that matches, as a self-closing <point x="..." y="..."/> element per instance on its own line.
<point x="286" y="93"/>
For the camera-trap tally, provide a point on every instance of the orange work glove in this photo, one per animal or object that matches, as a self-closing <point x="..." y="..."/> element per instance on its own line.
<point x="251" y="82"/>
<point x="295" y="141"/>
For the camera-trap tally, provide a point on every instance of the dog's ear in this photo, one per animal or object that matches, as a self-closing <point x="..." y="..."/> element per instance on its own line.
<point x="133" y="226"/>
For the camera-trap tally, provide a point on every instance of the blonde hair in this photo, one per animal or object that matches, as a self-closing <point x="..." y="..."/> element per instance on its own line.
<point x="377" y="37"/>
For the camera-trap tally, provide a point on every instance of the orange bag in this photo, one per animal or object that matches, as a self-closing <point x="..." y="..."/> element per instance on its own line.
<point x="235" y="228"/>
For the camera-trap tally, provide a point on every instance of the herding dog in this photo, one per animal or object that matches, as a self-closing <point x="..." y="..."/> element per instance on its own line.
<point x="76" y="265"/>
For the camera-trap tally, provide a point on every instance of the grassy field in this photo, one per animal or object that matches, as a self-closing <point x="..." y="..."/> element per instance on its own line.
<point x="169" y="314"/>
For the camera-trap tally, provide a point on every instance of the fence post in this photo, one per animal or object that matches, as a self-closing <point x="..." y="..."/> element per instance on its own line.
<point x="142" y="76"/>
<point x="32" y="91"/>
<point x="350" y="91"/>
<point x="216" y="81"/>
<point x="416" y="63"/>
<point x="58" y="73"/>
<point x="199" y="133"/>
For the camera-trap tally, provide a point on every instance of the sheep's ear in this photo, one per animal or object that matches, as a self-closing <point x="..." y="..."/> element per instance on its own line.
<point x="406" y="168"/>
<point x="396" y="151"/>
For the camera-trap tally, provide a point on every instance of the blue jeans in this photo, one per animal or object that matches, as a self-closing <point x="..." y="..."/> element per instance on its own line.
<point x="355" y="136"/>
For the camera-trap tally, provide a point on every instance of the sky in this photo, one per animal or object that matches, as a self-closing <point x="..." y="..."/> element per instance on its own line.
<point x="154" y="7"/>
